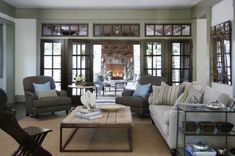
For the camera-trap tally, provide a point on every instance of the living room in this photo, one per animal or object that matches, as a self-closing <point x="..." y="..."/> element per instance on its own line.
<point x="175" y="40"/>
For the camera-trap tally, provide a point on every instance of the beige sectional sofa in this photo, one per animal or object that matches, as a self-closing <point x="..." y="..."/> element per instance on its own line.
<point x="165" y="116"/>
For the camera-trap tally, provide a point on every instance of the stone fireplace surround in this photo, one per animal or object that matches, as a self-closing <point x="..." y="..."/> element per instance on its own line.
<point x="117" y="56"/>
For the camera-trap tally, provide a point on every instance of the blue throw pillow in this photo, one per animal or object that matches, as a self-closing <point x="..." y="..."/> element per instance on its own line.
<point x="41" y="87"/>
<point x="142" y="90"/>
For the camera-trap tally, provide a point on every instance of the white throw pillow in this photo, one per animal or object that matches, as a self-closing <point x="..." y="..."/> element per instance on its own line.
<point x="46" y="93"/>
<point x="167" y="95"/>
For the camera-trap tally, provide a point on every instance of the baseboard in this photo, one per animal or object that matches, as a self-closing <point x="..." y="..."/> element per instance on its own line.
<point x="19" y="98"/>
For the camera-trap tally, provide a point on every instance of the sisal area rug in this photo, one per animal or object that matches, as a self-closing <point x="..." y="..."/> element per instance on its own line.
<point x="146" y="139"/>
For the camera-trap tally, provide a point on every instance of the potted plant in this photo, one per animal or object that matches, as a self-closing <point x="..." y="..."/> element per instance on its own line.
<point x="79" y="79"/>
<point x="109" y="74"/>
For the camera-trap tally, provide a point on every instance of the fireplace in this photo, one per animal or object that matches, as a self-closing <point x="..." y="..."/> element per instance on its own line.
<point x="117" y="71"/>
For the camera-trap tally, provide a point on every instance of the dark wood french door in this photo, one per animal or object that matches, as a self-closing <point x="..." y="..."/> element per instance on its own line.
<point x="171" y="59"/>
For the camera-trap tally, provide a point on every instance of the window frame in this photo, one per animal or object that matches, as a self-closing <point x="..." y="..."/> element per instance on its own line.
<point x="219" y="34"/>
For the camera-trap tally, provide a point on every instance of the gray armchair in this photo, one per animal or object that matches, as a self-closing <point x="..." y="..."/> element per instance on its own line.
<point x="139" y="105"/>
<point x="48" y="104"/>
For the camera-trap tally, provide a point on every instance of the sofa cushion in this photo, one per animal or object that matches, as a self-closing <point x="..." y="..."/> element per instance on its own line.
<point x="142" y="90"/>
<point x="167" y="95"/>
<point x="156" y="91"/>
<point x="51" y="101"/>
<point x="192" y="94"/>
<point x="212" y="95"/>
<point x="157" y="112"/>
<point x="133" y="101"/>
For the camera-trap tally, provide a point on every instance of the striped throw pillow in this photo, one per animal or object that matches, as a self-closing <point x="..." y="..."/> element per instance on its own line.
<point x="168" y="94"/>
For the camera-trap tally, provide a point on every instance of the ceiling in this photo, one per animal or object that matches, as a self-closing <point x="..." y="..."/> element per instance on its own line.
<point x="103" y="4"/>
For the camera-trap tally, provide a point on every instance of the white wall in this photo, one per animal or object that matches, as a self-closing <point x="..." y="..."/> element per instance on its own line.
<point x="220" y="13"/>
<point x="25" y="51"/>
<point x="203" y="53"/>
<point x="3" y="80"/>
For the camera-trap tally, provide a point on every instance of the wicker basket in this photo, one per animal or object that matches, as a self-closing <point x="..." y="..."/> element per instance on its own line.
<point x="207" y="126"/>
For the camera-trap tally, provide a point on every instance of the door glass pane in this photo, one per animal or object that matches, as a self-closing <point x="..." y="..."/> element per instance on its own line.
<point x="78" y="49"/>
<point x="83" y="60"/>
<point x="175" y="61"/>
<point x="186" y="49"/>
<point x="156" y="48"/>
<point x="74" y="74"/>
<point x="57" y="62"/>
<point x="227" y="60"/>
<point x="83" y="49"/>
<point x="47" y="61"/>
<point x="74" y="49"/>
<point x="176" y="49"/>
<point x="78" y="62"/>
<point x="175" y="75"/>
<point x="186" y="75"/>
<point x="157" y="62"/>
<point x="148" y="62"/>
<point x="185" y="61"/>
<point x="149" y="72"/>
<point x="159" y="73"/>
<point x="47" y="72"/>
<point x="58" y="86"/>
<point x="47" y="48"/>
<point x="74" y="62"/>
<point x="149" y="49"/>
<point x="57" y="75"/>
<point x="57" y="49"/>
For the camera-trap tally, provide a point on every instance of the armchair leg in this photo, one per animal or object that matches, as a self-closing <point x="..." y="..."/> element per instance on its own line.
<point x="67" y="111"/>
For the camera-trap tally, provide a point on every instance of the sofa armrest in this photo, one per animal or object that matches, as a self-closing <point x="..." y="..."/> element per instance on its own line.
<point x="173" y="126"/>
<point x="31" y="95"/>
<point x="62" y="93"/>
<point x="127" y="92"/>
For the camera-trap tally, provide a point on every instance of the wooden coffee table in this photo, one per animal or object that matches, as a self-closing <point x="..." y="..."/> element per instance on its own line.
<point x="119" y="119"/>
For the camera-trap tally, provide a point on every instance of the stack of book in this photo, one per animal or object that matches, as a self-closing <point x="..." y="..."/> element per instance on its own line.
<point x="89" y="115"/>
<point x="192" y="151"/>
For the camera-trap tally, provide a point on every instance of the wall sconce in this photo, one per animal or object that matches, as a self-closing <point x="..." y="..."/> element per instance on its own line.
<point x="102" y="60"/>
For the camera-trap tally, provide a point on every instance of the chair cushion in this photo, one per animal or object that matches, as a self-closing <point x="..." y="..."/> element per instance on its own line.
<point x="133" y="101"/>
<point x="142" y="90"/>
<point x="41" y="87"/>
<point x="46" y="93"/>
<point x="167" y="95"/>
<point x="51" y="101"/>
